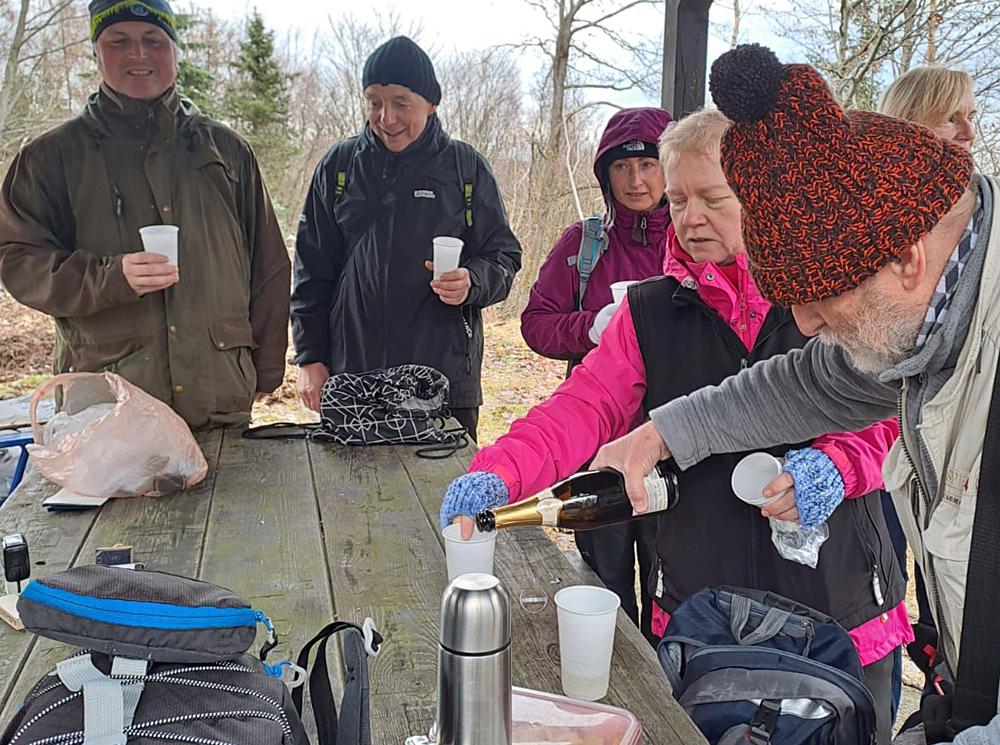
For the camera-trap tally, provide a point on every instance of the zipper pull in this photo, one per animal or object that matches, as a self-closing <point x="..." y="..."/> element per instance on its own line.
<point x="743" y="363"/>
<point x="877" y="587"/>
<point x="659" y="580"/>
<point x="272" y="637"/>
<point x="119" y="202"/>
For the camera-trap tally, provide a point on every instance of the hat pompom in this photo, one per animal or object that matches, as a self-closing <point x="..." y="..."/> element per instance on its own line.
<point x="744" y="82"/>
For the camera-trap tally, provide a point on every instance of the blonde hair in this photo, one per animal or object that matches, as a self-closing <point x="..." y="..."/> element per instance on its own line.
<point x="926" y="95"/>
<point x="700" y="133"/>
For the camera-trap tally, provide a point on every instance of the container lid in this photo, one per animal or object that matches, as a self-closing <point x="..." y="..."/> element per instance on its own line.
<point x="549" y="719"/>
<point x="475" y="615"/>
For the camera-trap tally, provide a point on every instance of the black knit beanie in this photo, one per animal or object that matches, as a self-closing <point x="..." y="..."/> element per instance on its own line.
<point x="401" y="62"/>
<point x="104" y="13"/>
<point x="629" y="149"/>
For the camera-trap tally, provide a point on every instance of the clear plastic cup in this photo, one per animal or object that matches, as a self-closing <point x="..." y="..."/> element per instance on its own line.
<point x="161" y="239"/>
<point x="473" y="555"/>
<point x="447" y="251"/>
<point x="620" y="289"/>
<point x="587" y="618"/>
<point x="752" y="474"/>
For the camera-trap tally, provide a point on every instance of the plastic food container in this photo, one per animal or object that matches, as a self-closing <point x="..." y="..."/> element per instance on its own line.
<point x="549" y="719"/>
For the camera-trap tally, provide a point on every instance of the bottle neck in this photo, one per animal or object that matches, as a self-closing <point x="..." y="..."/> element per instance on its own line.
<point x="542" y="509"/>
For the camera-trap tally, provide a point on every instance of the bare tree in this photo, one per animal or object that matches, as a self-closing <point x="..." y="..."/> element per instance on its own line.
<point x="862" y="44"/>
<point x="588" y="48"/>
<point x="30" y="42"/>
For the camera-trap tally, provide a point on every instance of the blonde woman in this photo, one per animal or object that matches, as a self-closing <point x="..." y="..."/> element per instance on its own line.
<point x="937" y="97"/>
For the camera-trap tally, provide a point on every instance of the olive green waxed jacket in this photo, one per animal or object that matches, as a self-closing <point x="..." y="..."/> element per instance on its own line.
<point x="72" y="203"/>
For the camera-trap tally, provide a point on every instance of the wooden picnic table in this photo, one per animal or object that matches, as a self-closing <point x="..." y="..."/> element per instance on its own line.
<point x="308" y="532"/>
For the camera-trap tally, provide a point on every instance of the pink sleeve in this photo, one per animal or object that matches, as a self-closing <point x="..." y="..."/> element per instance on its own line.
<point x="859" y="455"/>
<point x="598" y="403"/>
<point x="550" y="323"/>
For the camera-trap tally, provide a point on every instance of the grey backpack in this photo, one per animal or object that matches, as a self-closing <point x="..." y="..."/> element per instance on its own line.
<point x="164" y="658"/>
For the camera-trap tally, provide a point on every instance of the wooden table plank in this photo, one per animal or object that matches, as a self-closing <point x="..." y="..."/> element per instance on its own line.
<point x="264" y="540"/>
<point x="528" y="563"/>
<point x="166" y="534"/>
<point x="386" y="562"/>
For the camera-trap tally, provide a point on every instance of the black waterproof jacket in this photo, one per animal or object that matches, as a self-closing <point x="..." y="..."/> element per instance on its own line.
<point x="361" y="297"/>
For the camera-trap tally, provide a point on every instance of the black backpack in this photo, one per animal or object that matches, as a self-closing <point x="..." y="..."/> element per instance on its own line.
<point x="753" y="668"/>
<point x="164" y="658"/>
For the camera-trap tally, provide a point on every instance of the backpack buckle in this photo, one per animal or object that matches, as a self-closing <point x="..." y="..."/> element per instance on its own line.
<point x="373" y="639"/>
<point x="763" y="722"/>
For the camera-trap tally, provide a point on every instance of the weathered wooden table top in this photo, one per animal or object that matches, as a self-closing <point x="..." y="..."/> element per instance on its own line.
<point x="308" y="532"/>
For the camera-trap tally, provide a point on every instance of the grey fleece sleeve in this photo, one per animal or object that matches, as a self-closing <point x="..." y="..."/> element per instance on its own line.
<point x="789" y="398"/>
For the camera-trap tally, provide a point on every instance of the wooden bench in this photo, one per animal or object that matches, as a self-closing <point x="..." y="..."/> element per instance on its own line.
<point x="308" y="532"/>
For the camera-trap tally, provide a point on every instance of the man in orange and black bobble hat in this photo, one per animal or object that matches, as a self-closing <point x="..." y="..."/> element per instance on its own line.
<point x="886" y="246"/>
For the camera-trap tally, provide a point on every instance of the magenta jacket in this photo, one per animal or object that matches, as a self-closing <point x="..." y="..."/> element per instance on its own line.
<point x="550" y="324"/>
<point x="602" y="398"/>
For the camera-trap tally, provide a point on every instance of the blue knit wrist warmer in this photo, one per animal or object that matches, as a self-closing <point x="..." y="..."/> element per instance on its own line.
<point x="819" y="487"/>
<point x="471" y="494"/>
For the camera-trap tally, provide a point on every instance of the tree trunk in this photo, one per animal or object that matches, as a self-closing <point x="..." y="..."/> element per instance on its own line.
<point x="7" y="92"/>
<point x="933" y="21"/>
<point x="560" y="69"/>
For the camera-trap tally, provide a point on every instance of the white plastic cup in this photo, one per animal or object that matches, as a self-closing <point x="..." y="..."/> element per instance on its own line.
<point x="161" y="239"/>
<point x="473" y="555"/>
<point x="752" y="474"/>
<point x="447" y="251"/>
<point x="620" y="289"/>
<point x="587" y="618"/>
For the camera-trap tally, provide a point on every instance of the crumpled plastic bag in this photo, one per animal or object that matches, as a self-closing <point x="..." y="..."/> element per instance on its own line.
<point x="112" y="439"/>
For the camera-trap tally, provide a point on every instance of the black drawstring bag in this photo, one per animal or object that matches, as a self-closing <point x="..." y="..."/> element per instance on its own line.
<point x="405" y="405"/>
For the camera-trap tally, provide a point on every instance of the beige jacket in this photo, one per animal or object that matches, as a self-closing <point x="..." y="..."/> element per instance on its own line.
<point x="953" y="426"/>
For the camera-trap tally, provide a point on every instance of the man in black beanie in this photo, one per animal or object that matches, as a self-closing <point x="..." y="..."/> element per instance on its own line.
<point x="206" y="331"/>
<point x="364" y="294"/>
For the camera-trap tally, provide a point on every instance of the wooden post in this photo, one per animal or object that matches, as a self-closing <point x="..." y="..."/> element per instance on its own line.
<point x="691" y="33"/>
<point x="667" y="90"/>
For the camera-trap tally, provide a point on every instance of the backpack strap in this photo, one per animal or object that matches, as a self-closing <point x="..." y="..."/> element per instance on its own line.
<point x="466" y="163"/>
<point x="593" y="244"/>
<point x="978" y="677"/>
<point x="281" y="431"/>
<point x="108" y="705"/>
<point x="359" y="641"/>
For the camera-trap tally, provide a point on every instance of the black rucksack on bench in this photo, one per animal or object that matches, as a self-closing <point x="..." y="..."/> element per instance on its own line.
<point x="164" y="658"/>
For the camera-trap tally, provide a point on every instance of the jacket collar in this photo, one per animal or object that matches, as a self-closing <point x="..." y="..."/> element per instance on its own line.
<point x="108" y="112"/>
<point x="629" y="225"/>
<point x="695" y="275"/>
<point x="945" y="343"/>
<point x="432" y="139"/>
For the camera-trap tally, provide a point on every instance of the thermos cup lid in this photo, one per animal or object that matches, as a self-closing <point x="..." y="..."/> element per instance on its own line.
<point x="475" y="615"/>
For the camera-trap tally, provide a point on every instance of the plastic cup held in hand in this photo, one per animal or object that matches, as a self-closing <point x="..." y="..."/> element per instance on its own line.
<point x="587" y="618"/>
<point x="160" y="239"/>
<point x="752" y="474"/>
<point x="447" y="251"/>
<point x="620" y="289"/>
<point x="466" y="557"/>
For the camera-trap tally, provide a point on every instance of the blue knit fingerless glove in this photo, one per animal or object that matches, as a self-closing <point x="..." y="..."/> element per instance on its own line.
<point x="819" y="487"/>
<point x="471" y="494"/>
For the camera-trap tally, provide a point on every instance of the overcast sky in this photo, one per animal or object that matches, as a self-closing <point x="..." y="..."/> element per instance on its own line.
<point x="473" y="24"/>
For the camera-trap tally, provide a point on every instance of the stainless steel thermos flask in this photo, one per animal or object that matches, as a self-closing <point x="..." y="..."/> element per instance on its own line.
<point x="474" y="695"/>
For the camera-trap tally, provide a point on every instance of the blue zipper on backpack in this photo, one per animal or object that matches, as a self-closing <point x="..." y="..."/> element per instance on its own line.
<point x="141" y="614"/>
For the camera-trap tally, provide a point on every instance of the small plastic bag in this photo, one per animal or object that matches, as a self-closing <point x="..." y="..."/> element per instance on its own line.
<point x="797" y="543"/>
<point x="112" y="439"/>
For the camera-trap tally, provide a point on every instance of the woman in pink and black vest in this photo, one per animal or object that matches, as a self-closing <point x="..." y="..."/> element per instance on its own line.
<point x="562" y="323"/>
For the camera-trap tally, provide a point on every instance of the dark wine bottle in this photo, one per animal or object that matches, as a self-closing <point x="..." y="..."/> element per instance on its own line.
<point x="584" y="501"/>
